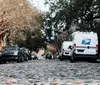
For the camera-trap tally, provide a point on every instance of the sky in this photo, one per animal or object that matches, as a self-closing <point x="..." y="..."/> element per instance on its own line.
<point x="39" y="4"/>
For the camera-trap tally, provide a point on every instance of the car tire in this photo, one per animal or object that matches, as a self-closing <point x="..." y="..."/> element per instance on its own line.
<point x="30" y="58"/>
<point x="36" y="58"/>
<point x="48" y="56"/>
<point x="27" y="58"/>
<point x="4" y="62"/>
<point x="18" y="60"/>
<point x="0" y="61"/>
<point x="61" y="58"/>
<point x="22" y="58"/>
<point x="95" y="60"/>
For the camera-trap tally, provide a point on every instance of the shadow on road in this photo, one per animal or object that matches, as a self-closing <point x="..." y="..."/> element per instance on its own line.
<point x="88" y="60"/>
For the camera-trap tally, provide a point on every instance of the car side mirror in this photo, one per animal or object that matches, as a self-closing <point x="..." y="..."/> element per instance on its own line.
<point x="70" y="47"/>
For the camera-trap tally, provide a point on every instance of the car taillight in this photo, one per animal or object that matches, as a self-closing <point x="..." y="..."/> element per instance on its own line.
<point x="74" y="45"/>
<point x="96" y="48"/>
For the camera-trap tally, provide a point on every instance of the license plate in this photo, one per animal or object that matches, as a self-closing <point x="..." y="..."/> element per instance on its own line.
<point x="79" y="50"/>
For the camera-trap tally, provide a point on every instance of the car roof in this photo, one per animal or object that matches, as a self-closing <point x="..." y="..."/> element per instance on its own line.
<point x="10" y="46"/>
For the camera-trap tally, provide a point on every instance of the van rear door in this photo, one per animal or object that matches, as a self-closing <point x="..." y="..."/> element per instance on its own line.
<point x="86" y="44"/>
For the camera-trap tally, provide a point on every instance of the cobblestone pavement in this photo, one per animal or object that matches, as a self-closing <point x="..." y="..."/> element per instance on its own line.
<point x="50" y="72"/>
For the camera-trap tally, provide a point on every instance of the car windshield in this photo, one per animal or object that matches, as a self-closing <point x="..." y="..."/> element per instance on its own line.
<point x="10" y="48"/>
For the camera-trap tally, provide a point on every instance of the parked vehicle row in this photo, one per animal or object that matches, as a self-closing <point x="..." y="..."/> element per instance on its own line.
<point x="67" y="49"/>
<point x="83" y="45"/>
<point x="24" y="52"/>
<point x="14" y="53"/>
<point x="34" y="56"/>
<point x="10" y="53"/>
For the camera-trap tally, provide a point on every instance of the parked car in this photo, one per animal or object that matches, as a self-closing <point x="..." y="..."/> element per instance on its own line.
<point x="28" y="53"/>
<point x="34" y="56"/>
<point x="86" y="45"/>
<point x="11" y="53"/>
<point x="24" y="53"/>
<point x="0" y="57"/>
<point x="49" y="56"/>
<point x="67" y="50"/>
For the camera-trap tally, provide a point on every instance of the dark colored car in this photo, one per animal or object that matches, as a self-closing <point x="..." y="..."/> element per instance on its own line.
<point x="24" y="53"/>
<point x="0" y="57"/>
<point x="33" y="56"/>
<point x="28" y="53"/>
<point x="11" y="53"/>
<point x="49" y="56"/>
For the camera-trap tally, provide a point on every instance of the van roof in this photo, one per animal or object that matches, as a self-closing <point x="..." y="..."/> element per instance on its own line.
<point x="77" y="32"/>
<point x="69" y="42"/>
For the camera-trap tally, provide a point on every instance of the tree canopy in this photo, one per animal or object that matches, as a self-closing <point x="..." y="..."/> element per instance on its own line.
<point x="18" y="14"/>
<point x="18" y="17"/>
<point x="65" y="13"/>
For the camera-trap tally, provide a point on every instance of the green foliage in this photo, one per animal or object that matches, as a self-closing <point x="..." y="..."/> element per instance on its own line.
<point x="84" y="13"/>
<point x="29" y="39"/>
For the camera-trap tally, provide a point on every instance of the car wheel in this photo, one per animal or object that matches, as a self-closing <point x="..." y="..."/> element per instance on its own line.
<point x="19" y="59"/>
<point x="22" y="58"/>
<point x="29" y="58"/>
<point x="35" y="58"/>
<point x="26" y="58"/>
<point x="61" y="58"/>
<point x="94" y="60"/>
<point x="46" y="57"/>
<point x="0" y="61"/>
<point x="4" y="62"/>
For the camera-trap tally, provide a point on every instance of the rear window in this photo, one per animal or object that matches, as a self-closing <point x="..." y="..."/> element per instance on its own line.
<point x="10" y="48"/>
<point x="67" y="45"/>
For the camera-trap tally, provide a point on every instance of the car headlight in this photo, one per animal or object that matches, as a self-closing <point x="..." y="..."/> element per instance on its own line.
<point x="32" y="56"/>
<point x="15" y="53"/>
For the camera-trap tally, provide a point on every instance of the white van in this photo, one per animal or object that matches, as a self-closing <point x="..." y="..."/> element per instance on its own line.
<point x="85" y="45"/>
<point x="67" y="49"/>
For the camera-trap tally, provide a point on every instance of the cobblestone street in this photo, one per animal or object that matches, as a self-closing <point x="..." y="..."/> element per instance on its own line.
<point x="50" y="72"/>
